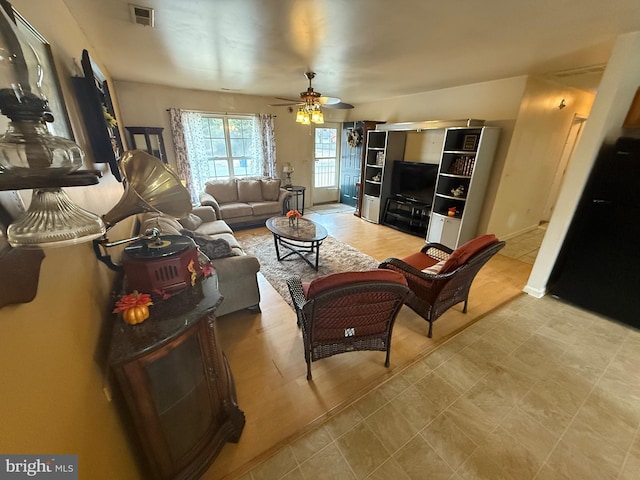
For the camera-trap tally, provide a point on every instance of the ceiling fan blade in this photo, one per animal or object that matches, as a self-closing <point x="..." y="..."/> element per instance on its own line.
<point x="285" y="104"/>
<point x="339" y="105"/>
<point x="328" y="100"/>
<point x="289" y="100"/>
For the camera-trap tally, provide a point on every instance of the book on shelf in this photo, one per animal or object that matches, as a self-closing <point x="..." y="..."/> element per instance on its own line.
<point x="462" y="166"/>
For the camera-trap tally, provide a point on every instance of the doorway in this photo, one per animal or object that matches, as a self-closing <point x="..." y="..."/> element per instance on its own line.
<point x="326" y="152"/>
<point x="577" y="125"/>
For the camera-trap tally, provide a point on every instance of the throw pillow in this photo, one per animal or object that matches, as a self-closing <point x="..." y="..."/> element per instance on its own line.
<point x="211" y="247"/>
<point x="270" y="189"/>
<point x="249" y="191"/>
<point x="191" y="221"/>
<point x="467" y="250"/>
<point x="434" y="269"/>
<point x="224" y="191"/>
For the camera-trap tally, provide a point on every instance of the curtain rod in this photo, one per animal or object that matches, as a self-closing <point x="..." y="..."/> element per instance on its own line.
<point x="218" y="113"/>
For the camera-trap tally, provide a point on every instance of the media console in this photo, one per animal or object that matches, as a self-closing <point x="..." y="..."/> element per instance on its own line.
<point x="407" y="215"/>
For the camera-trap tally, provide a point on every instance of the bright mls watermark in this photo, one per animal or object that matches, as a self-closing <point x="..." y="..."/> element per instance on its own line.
<point x="49" y="467"/>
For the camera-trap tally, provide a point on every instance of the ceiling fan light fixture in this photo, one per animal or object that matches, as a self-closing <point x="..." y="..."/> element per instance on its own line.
<point x="317" y="116"/>
<point x="300" y="115"/>
<point x="308" y="114"/>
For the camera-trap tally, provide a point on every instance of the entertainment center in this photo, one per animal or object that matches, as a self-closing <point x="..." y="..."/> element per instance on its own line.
<point x="435" y="190"/>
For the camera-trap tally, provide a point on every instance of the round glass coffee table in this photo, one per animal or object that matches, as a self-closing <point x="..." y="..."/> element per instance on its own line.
<point x="301" y="240"/>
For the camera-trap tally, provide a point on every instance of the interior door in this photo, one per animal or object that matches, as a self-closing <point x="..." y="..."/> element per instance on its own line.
<point x="325" y="166"/>
<point x="350" y="164"/>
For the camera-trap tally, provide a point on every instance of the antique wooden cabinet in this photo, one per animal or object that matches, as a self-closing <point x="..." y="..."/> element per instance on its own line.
<point x="177" y="383"/>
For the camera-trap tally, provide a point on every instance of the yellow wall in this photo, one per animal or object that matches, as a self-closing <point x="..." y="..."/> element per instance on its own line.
<point x="534" y="152"/>
<point x="52" y="349"/>
<point x="144" y="105"/>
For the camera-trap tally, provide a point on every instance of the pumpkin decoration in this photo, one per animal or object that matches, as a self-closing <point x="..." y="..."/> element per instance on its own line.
<point x="134" y="307"/>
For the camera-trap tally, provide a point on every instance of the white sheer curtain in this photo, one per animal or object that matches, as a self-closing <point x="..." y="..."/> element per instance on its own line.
<point x="186" y="130"/>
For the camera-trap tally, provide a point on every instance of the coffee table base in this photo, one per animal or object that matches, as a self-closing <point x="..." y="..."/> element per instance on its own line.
<point x="297" y="248"/>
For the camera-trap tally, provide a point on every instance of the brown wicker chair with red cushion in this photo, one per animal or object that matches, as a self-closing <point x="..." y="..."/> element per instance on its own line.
<point x="440" y="277"/>
<point x="348" y="311"/>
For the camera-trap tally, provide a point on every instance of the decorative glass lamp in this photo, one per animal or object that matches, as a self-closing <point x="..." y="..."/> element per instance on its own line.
<point x="287" y="169"/>
<point x="33" y="158"/>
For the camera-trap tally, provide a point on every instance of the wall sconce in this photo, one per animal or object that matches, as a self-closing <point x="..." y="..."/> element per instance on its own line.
<point x="562" y="104"/>
<point x="32" y="158"/>
<point x="287" y="169"/>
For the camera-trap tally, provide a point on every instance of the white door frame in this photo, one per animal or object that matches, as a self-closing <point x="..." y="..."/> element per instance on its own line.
<point x="327" y="194"/>
<point x="577" y="125"/>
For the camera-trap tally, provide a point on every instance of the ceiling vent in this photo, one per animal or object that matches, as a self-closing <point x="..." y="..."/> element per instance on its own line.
<point x="142" y="15"/>
<point x="590" y="70"/>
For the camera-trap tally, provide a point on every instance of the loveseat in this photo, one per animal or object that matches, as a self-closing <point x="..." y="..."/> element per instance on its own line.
<point x="236" y="271"/>
<point x="247" y="201"/>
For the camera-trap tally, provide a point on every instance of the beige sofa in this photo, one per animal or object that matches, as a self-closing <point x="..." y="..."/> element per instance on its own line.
<point x="236" y="271"/>
<point x="245" y="202"/>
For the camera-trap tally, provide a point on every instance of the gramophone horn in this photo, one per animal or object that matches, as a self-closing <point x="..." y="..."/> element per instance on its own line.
<point x="149" y="187"/>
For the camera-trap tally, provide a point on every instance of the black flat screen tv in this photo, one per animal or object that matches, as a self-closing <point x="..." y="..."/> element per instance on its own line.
<point x="414" y="180"/>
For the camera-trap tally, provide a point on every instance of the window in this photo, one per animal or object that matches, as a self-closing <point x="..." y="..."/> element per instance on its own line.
<point x="326" y="160"/>
<point x="228" y="143"/>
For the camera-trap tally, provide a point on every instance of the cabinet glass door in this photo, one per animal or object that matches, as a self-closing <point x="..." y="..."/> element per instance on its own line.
<point x="148" y="139"/>
<point x="179" y="389"/>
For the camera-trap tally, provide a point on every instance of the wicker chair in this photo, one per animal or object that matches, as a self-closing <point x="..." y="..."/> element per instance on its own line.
<point x="440" y="277"/>
<point x="349" y="311"/>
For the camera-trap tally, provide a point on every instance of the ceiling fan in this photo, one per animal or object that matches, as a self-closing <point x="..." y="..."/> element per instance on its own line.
<point x="311" y="98"/>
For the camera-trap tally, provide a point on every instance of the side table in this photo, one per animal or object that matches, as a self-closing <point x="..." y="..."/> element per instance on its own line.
<point x="297" y="193"/>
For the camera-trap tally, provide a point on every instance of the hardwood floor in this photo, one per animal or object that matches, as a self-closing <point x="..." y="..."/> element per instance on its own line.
<point x="266" y="354"/>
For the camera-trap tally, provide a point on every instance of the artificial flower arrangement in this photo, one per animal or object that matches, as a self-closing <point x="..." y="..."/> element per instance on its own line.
<point x="354" y="137"/>
<point x="135" y="306"/>
<point x="293" y="216"/>
<point x="110" y="119"/>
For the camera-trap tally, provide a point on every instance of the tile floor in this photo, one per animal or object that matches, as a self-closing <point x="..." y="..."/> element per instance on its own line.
<point x="535" y="390"/>
<point x="525" y="246"/>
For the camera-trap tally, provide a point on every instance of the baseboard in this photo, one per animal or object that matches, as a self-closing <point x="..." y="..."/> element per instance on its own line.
<point x="519" y="232"/>
<point x="535" y="292"/>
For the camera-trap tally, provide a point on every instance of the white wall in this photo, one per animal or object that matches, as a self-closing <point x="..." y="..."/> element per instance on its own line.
<point x="615" y="94"/>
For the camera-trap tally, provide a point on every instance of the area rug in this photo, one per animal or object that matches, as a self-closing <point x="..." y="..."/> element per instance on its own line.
<point x="335" y="256"/>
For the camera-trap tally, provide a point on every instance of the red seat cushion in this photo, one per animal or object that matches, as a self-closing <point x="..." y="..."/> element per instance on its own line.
<point x="420" y="260"/>
<point x="333" y="280"/>
<point x="464" y="252"/>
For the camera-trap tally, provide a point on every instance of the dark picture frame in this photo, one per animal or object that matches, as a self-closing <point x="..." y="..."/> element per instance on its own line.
<point x="61" y="126"/>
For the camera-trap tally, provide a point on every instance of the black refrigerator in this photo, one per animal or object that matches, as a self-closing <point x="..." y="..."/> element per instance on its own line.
<point x="598" y="267"/>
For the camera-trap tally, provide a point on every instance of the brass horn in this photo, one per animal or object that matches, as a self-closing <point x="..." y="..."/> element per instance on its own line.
<point x="150" y="187"/>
